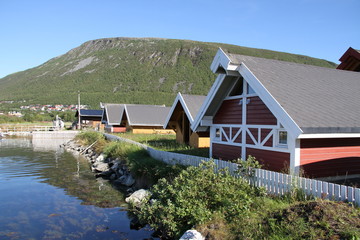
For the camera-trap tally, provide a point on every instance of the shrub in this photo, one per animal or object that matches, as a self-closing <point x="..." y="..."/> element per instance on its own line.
<point x="193" y="197"/>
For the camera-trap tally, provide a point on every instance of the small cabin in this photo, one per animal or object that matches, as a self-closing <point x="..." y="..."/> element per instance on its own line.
<point x="90" y="118"/>
<point x="180" y="118"/>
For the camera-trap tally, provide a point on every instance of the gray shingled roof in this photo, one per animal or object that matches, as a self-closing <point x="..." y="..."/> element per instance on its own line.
<point x="193" y="103"/>
<point x="114" y="113"/>
<point x="91" y="112"/>
<point x="146" y="115"/>
<point x="319" y="100"/>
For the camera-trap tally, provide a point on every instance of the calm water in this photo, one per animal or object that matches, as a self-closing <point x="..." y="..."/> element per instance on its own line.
<point x="50" y="194"/>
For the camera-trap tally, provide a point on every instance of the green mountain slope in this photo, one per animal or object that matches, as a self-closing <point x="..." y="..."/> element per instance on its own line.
<point x="128" y="70"/>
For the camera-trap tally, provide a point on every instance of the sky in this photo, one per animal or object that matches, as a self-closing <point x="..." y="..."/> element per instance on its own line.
<point x="34" y="31"/>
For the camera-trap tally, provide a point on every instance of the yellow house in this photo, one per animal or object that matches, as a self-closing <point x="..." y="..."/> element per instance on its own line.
<point x="180" y="118"/>
<point x="135" y="118"/>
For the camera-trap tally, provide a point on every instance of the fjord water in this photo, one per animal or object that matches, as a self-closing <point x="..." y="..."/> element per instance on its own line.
<point x="47" y="193"/>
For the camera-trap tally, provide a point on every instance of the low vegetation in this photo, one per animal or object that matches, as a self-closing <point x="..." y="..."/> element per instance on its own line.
<point x="223" y="207"/>
<point x="124" y="70"/>
<point x="146" y="169"/>
<point x="166" y="143"/>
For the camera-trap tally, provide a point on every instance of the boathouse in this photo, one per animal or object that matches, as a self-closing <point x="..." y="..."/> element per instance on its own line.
<point x="289" y="116"/>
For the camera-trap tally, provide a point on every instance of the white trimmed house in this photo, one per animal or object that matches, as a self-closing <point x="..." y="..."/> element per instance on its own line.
<point x="287" y="115"/>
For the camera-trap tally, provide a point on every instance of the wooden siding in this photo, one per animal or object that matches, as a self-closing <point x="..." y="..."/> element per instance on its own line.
<point x="199" y="139"/>
<point x="330" y="157"/>
<point x="118" y="129"/>
<point x="271" y="160"/>
<point x="225" y="152"/>
<point x="230" y="112"/>
<point x="258" y="113"/>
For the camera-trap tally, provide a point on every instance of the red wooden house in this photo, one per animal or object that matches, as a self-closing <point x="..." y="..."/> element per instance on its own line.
<point x="350" y="60"/>
<point x="287" y="115"/>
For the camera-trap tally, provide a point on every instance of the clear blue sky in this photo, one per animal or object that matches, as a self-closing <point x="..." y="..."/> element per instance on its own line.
<point x="34" y="31"/>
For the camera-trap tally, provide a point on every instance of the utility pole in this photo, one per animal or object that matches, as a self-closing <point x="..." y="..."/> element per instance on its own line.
<point x="79" y="122"/>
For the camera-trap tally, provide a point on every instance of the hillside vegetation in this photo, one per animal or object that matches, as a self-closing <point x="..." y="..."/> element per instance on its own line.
<point x="128" y="70"/>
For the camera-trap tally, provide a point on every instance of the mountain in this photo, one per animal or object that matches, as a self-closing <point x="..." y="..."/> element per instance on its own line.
<point x="128" y="70"/>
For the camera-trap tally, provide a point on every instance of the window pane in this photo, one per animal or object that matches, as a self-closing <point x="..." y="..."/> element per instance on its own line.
<point x="217" y="133"/>
<point x="282" y="137"/>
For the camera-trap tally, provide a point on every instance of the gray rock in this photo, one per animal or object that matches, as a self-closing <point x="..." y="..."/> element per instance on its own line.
<point x="138" y="197"/>
<point x="192" y="235"/>
<point x="100" y="158"/>
<point x="126" y="180"/>
<point x="101" y="167"/>
<point x="113" y="176"/>
<point x="115" y="166"/>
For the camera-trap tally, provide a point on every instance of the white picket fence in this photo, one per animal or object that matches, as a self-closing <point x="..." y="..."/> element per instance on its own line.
<point x="274" y="182"/>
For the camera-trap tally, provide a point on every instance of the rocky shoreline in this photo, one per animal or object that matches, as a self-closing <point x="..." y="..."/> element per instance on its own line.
<point x="113" y="169"/>
<point x="118" y="173"/>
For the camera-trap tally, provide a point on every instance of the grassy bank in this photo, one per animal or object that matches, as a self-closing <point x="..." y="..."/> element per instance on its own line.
<point x="146" y="169"/>
<point x="223" y="207"/>
<point x="165" y="143"/>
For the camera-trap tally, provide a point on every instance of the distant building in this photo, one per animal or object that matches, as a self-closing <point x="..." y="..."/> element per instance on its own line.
<point x="135" y="118"/>
<point x="90" y="118"/>
<point x="350" y="60"/>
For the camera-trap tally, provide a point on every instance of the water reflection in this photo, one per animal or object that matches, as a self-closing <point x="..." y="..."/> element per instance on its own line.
<point x="53" y="195"/>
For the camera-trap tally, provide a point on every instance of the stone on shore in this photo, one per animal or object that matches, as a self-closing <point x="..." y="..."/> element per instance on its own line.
<point x="126" y="180"/>
<point x="138" y="197"/>
<point x="192" y="235"/>
<point x="101" y="167"/>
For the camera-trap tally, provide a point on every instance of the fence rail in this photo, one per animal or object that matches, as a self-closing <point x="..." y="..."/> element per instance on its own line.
<point x="26" y="129"/>
<point x="274" y="182"/>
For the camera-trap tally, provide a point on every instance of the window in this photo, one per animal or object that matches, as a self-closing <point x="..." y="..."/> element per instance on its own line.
<point x="237" y="89"/>
<point x="282" y="137"/>
<point x="217" y="133"/>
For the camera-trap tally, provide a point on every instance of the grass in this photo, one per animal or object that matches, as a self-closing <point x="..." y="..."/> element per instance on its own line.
<point x="262" y="217"/>
<point x="146" y="169"/>
<point x="166" y="143"/>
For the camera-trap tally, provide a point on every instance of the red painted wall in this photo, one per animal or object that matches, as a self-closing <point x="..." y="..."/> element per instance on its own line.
<point x="271" y="160"/>
<point x="225" y="152"/>
<point x="330" y="157"/>
<point x="258" y="113"/>
<point x="118" y="129"/>
<point x="230" y="112"/>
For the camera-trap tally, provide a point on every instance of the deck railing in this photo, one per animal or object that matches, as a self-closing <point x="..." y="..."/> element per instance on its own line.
<point x="274" y="182"/>
<point x="5" y="129"/>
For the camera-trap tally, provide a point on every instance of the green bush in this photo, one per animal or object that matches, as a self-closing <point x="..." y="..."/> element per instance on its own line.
<point x="193" y="197"/>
